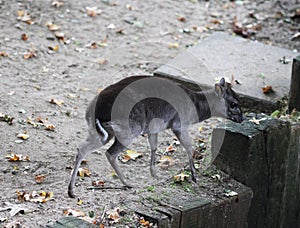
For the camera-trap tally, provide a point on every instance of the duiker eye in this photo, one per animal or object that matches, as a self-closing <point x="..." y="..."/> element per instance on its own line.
<point x="233" y="105"/>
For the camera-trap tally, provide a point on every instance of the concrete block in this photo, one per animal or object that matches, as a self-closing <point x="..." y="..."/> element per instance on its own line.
<point x="254" y="64"/>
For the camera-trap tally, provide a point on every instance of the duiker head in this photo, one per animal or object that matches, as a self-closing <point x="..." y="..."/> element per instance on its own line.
<point x="227" y="104"/>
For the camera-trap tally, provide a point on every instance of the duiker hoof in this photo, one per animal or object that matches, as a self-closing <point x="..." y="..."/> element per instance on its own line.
<point x="71" y="193"/>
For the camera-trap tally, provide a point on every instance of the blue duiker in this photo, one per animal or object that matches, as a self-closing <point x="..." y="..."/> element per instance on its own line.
<point x="147" y="105"/>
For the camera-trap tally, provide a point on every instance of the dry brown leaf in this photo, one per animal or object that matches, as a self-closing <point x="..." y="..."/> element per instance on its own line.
<point x="181" y="18"/>
<point x="99" y="183"/>
<point x="267" y="89"/>
<point x="3" y="54"/>
<point x="30" y="54"/>
<point x="75" y="213"/>
<point x="39" y="179"/>
<point x="129" y="7"/>
<point x="93" y="11"/>
<point x="170" y="149"/>
<point x="24" y="37"/>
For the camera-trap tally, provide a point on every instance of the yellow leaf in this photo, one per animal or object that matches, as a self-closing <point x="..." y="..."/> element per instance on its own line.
<point x="173" y="45"/>
<point x="84" y="172"/>
<point x="79" y="202"/>
<point x="181" y="177"/>
<point x="23" y="136"/>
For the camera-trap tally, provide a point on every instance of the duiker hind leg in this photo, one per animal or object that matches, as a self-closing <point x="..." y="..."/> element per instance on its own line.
<point x="184" y="139"/>
<point x="91" y="143"/>
<point x="152" y="138"/>
<point x="112" y="154"/>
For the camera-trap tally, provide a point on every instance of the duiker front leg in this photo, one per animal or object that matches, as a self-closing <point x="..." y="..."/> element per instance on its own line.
<point x="112" y="154"/>
<point x="184" y="139"/>
<point x="85" y="148"/>
<point x="152" y="138"/>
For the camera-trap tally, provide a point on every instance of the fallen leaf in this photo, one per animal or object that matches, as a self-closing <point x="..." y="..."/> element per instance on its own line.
<point x="145" y="223"/>
<point x="181" y="18"/>
<point x="170" y="149"/>
<point x="98" y="183"/>
<point x="267" y="89"/>
<point x="216" y="177"/>
<point x="30" y="54"/>
<point x="256" y="121"/>
<point x="230" y="193"/>
<point x="6" y="118"/>
<point x="181" y="177"/>
<point x="79" y="202"/>
<point x="111" y="26"/>
<point x="56" y="101"/>
<point x="17" y="157"/>
<point x="75" y="213"/>
<point x="244" y="31"/>
<point x="217" y="22"/>
<point x="60" y="36"/>
<point x="129" y="7"/>
<point x="115" y="214"/>
<point x="93" y="11"/>
<point x="57" y="4"/>
<point x="284" y="60"/>
<point x="24" y="16"/>
<point x="102" y="61"/>
<point x="103" y="43"/>
<point x="53" y="48"/>
<point x="52" y="27"/>
<point x="130" y="155"/>
<point x="296" y="36"/>
<point x="14" y="209"/>
<point x="3" y="54"/>
<point x="173" y="45"/>
<point x="23" y="136"/>
<point x="166" y="161"/>
<point x="39" y="179"/>
<point x="34" y="196"/>
<point x="84" y="172"/>
<point x="24" y="37"/>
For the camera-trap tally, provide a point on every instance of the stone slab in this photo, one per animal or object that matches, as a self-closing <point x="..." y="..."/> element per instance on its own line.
<point x="253" y="64"/>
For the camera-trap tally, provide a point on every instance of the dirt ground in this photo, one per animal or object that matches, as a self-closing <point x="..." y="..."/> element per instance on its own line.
<point x="68" y="51"/>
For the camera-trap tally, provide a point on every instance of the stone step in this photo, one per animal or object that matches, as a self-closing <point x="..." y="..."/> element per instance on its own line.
<point x="253" y="64"/>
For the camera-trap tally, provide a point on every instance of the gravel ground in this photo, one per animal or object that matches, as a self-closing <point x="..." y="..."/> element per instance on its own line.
<point x="68" y="51"/>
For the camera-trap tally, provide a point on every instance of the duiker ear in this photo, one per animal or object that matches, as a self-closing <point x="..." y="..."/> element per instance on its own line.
<point x="222" y="82"/>
<point x="218" y="90"/>
<point x="219" y="87"/>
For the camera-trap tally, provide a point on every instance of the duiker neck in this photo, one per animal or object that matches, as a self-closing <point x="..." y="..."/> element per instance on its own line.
<point x="203" y="103"/>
